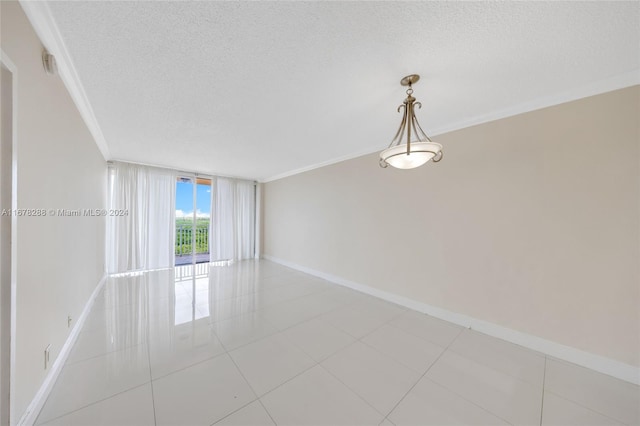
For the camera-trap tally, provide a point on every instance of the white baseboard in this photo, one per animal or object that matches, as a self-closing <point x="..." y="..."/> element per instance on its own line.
<point x="589" y="360"/>
<point x="31" y="414"/>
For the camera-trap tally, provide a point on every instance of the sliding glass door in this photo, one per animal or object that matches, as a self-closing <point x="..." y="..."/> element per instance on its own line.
<point x="193" y="211"/>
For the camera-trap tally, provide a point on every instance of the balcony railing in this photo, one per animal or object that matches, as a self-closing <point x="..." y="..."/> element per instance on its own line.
<point x="184" y="239"/>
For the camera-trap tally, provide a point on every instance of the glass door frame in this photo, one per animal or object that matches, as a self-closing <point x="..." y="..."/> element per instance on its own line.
<point x="194" y="177"/>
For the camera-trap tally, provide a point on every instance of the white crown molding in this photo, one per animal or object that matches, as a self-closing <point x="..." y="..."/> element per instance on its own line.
<point x="598" y="363"/>
<point x="39" y="14"/>
<point x="610" y="84"/>
<point x="33" y="410"/>
<point x="318" y="165"/>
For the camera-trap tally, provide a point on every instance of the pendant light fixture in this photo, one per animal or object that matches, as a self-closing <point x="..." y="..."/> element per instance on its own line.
<point x="410" y="147"/>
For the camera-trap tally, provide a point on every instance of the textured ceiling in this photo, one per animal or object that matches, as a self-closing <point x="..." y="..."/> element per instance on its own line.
<point x="257" y="89"/>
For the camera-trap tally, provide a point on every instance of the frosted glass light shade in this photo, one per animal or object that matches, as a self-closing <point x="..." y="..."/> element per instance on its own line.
<point x="421" y="152"/>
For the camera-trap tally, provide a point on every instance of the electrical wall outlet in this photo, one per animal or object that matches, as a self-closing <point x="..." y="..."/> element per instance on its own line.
<point x="69" y="321"/>
<point x="46" y="356"/>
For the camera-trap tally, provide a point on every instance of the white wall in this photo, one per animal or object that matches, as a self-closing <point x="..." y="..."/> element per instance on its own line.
<point x="530" y="222"/>
<point x="60" y="259"/>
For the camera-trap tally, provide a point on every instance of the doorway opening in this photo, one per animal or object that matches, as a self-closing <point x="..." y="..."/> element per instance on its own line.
<point x="193" y="215"/>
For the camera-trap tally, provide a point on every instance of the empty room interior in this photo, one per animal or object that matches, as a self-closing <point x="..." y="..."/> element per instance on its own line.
<point x="319" y="213"/>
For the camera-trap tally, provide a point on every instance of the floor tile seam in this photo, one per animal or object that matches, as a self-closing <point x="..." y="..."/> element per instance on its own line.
<point x="507" y="343"/>
<point x="448" y="348"/>
<point x="390" y="357"/>
<point x="447" y="387"/>
<point x="466" y="357"/>
<point x="327" y="323"/>
<point x="422" y="376"/>
<point x="261" y="313"/>
<point x="293" y="298"/>
<point x="469" y="401"/>
<point x="267" y="411"/>
<point x="313" y="361"/>
<point x="494" y="370"/>
<point x="541" y="357"/>
<point x="104" y="354"/>
<point x="361" y="340"/>
<point x="369" y="312"/>
<point x="247" y="381"/>
<point x="234" y="411"/>
<point x="227" y="352"/>
<point x="231" y="349"/>
<point x="316" y="364"/>
<point x="427" y="340"/>
<point x="378" y="327"/>
<point x="303" y="321"/>
<point x="270" y="334"/>
<point x="163" y="376"/>
<point x="230" y="298"/>
<point x="264" y="290"/>
<point x="253" y="391"/>
<point x="592" y="409"/>
<point x="544" y="377"/>
<point x="352" y="390"/>
<point x="605" y="377"/>
<point x="382" y="301"/>
<point x="153" y="398"/>
<point x="353" y="335"/>
<point x="298" y="346"/>
<point x="253" y="311"/>
<point x="93" y="403"/>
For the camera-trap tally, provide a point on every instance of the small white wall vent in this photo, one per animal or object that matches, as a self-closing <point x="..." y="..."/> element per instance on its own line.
<point x="49" y="63"/>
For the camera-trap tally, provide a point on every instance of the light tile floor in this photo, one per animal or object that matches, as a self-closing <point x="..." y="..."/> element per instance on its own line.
<point x="255" y="343"/>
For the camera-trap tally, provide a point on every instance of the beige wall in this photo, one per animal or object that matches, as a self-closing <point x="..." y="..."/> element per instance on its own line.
<point x="60" y="259"/>
<point x="529" y="222"/>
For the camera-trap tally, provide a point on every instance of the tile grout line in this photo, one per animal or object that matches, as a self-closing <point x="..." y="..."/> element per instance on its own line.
<point x="422" y="338"/>
<point x="267" y="411"/>
<point x="95" y="402"/>
<point x="585" y="407"/>
<point x="544" y="378"/>
<point x="469" y="401"/>
<point x="226" y="352"/>
<point x="359" y="340"/>
<point x="257" y="398"/>
<point x="153" y="397"/>
<point x="423" y="375"/>
<point x="467" y="358"/>
<point x="456" y="393"/>
<point x="240" y="371"/>
<point x="288" y="380"/>
<point x="258" y="311"/>
<point x="465" y="398"/>
<point x="352" y="391"/>
<point x="319" y="363"/>
<point x="233" y="412"/>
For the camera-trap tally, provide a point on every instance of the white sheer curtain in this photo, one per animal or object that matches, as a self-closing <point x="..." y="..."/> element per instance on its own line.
<point x="144" y="237"/>
<point x="233" y="213"/>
